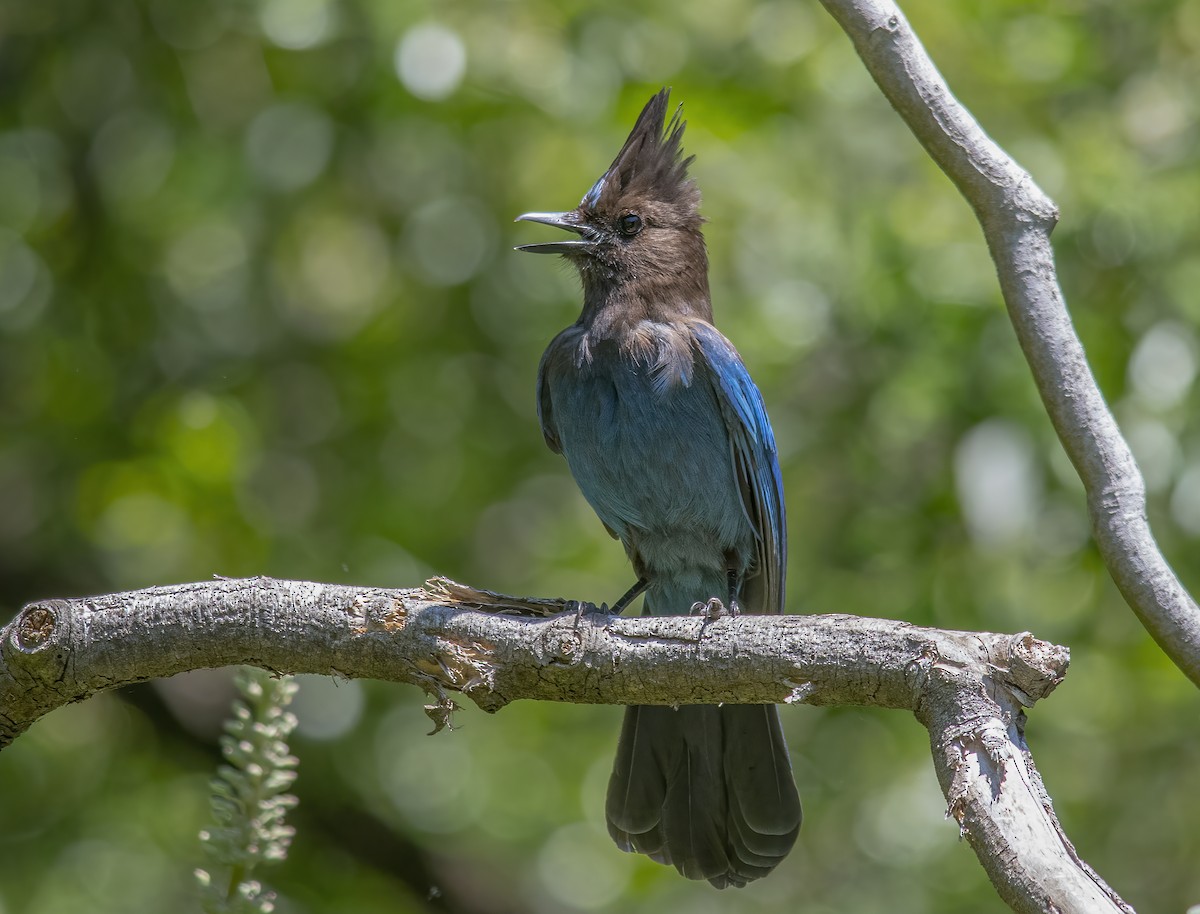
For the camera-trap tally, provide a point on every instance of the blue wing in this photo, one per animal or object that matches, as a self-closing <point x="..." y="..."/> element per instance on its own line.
<point x="559" y="348"/>
<point x="756" y="465"/>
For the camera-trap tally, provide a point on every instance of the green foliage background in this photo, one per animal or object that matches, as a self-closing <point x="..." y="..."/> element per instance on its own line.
<point x="259" y="315"/>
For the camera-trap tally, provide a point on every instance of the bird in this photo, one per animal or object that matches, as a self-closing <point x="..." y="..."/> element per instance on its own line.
<point x="669" y="441"/>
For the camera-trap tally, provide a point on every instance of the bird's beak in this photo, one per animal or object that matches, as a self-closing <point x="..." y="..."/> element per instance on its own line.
<point x="569" y="221"/>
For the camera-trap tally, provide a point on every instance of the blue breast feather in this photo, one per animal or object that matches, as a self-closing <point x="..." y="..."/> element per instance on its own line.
<point x="671" y="445"/>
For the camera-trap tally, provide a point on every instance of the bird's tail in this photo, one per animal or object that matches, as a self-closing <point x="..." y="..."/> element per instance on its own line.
<point x="708" y="789"/>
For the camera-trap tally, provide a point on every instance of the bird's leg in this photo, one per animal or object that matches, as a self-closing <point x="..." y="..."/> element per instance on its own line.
<point x="630" y="595"/>
<point x="735" y="584"/>
<point x="620" y="606"/>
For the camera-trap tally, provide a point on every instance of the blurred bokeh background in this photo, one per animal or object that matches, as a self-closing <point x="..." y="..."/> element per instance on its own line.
<point x="259" y="314"/>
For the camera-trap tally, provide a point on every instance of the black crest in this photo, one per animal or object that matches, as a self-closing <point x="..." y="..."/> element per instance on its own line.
<point x="650" y="165"/>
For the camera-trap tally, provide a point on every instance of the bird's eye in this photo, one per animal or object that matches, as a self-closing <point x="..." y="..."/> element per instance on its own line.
<point x="631" y="224"/>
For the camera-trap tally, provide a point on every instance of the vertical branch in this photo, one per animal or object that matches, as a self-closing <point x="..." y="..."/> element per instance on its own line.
<point x="996" y="796"/>
<point x="1017" y="219"/>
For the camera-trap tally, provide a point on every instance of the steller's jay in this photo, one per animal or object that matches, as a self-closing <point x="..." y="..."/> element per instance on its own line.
<point x="669" y="441"/>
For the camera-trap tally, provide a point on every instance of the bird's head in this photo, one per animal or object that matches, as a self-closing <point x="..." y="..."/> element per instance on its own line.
<point x="640" y="221"/>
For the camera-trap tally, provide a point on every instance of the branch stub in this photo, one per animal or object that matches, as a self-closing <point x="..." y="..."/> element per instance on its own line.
<point x="35" y="628"/>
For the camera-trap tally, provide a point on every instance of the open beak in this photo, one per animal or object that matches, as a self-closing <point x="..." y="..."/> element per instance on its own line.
<point x="568" y="221"/>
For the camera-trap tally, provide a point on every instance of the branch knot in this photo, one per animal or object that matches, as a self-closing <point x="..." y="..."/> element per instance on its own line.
<point x="35" y="627"/>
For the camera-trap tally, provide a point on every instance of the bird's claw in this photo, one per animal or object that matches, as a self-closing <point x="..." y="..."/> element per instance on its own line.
<point x="583" y="608"/>
<point x="713" y="609"/>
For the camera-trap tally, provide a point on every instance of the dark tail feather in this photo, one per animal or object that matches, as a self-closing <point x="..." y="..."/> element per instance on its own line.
<point x="707" y="789"/>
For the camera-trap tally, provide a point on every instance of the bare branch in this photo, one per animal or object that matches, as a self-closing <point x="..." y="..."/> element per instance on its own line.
<point x="967" y="688"/>
<point x="1017" y="219"/>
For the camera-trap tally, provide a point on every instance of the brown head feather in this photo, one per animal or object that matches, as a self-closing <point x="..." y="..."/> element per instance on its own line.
<point x="651" y="165"/>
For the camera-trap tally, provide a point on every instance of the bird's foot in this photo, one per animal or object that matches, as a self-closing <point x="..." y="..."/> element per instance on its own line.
<point x="713" y="609"/>
<point x="587" y="609"/>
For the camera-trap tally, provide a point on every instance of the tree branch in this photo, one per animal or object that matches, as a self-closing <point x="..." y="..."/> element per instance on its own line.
<point x="1017" y="219"/>
<point x="967" y="688"/>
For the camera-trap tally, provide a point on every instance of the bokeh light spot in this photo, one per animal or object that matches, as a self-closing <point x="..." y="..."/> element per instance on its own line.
<point x="449" y="239"/>
<point x="1156" y="449"/>
<point x="346" y="261"/>
<point x="280" y="494"/>
<point x="25" y="284"/>
<point x="132" y="155"/>
<point x="1155" y="109"/>
<point x="92" y="81"/>
<point x="333" y="278"/>
<point x="327" y="708"/>
<point x="797" y="312"/>
<point x="1185" y="500"/>
<point x="781" y="32"/>
<point x="296" y="24"/>
<point x="997" y="481"/>
<point x="430" y="61"/>
<point x="432" y="782"/>
<point x="579" y="869"/>
<point x="288" y="145"/>
<point x="200" y="263"/>
<point x="1163" y="365"/>
<point x="1039" y="48"/>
